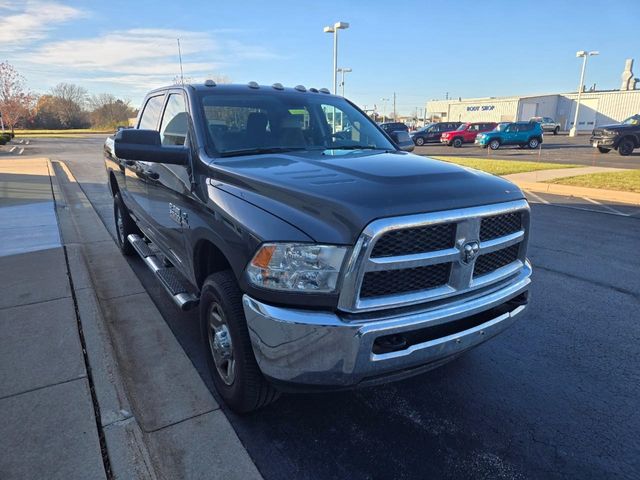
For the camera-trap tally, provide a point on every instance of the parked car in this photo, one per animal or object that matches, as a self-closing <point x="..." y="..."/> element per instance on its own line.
<point x="315" y="261"/>
<point x="432" y="133"/>
<point x="394" y="127"/>
<point x="548" y="124"/>
<point x="624" y="137"/>
<point x="465" y="133"/>
<point x="523" y="134"/>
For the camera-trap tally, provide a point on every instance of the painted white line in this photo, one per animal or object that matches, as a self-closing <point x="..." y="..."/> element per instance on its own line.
<point x="606" y="207"/>
<point x="12" y="149"/>
<point x="540" y="199"/>
<point x="26" y="142"/>
<point x="21" y="141"/>
<point x="21" y="151"/>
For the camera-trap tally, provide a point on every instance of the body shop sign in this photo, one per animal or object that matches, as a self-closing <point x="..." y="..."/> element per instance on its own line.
<point x="484" y="108"/>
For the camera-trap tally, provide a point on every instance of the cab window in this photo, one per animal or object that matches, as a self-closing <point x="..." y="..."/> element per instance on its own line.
<point x="151" y="113"/>
<point x="175" y="124"/>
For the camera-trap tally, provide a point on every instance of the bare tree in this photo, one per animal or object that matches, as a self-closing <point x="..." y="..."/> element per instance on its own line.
<point x="15" y="100"/>
<point x="70" y="101"/>
<point x="109" y="111"/>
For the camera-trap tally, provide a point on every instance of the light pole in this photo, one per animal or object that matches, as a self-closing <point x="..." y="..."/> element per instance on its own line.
<point x="582" y="53"/>
<point x="336" y="26"/>
<point x="384" y="108"/>
<point x="343" y="71"/>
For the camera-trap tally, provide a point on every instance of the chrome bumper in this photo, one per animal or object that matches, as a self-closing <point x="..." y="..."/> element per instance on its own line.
<point x="312" y="348"/>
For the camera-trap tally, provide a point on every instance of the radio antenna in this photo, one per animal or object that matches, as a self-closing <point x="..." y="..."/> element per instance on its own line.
<point x="180" y="57"/>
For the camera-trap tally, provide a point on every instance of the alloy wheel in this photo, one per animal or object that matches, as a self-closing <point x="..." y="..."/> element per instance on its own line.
<point x="220" y="344"/>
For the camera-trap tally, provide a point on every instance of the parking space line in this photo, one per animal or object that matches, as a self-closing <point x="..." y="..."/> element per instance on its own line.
<point x="537" y="197"/>
<point x="12" y="149"/>
<point x="607" y="207"/>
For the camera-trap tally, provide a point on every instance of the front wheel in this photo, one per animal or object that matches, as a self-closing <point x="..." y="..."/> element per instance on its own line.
<point x="232" y="364"/>
<point x="419" y="141"/>
<point x="604" y="150"/>
<point x="533" y="143"/>
<point x="556" y="130"/>
<point x="625" y="147"/>
<point x="494" y="144"/>
<point x="457" y="142"/>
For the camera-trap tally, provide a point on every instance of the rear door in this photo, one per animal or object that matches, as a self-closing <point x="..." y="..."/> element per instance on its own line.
<point x="136" y="172"/>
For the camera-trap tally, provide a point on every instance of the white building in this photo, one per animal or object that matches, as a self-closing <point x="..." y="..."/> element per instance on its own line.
<point x="596" y="108"/>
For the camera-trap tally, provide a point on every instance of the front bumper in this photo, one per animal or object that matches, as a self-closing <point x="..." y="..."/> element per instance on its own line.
<point x="311" y="349"/>
<point x="601" y="141"/>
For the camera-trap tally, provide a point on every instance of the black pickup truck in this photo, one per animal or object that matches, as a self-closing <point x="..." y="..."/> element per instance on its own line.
<point x="319" y="255"/>
<point x="624" y="137"/>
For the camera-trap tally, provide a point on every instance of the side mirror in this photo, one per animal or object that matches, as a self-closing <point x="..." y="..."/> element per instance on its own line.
<point x="145" y="146"/>
<point x="402" y="140"/>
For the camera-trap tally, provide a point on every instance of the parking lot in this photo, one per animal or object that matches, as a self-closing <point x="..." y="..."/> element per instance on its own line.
<point x="555" y="149"/>
<point x="554" y="397"/>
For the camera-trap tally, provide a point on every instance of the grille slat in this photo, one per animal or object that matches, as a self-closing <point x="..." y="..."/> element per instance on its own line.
<point x="389" y="282"/>
<point x="490" y="262"/>
<point x="500" y="225"/>
<point x="408" y="241"/>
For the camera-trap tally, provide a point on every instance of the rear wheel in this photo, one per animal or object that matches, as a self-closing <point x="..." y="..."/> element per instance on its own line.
<point x="124" y="225"/>
<point x="625" y="147"/>
<point x="494" y="144"/>
<point x="604" y="150"/>
<point x="556" y="130"/>
<point x="457" y="142"/>
<point x="232" y="364"/>
<point x="419" y="141"/>
<point x="533" y="143"/>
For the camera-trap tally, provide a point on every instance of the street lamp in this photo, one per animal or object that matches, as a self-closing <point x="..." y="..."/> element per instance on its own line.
<point x="343" y="71"/>
<point x="384" y="108"/>
<point x="584" y="54"/>
<point x="336" y="26"/>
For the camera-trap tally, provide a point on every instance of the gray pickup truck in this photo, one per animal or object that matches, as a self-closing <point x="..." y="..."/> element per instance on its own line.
<point x="319" y="255"/>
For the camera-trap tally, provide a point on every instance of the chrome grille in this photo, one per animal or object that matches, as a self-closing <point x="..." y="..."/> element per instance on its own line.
<point x="420" y="258"/>
<point x="415" y="240"/>
<point x="387" y="282"/>
<point x="493" y="261"/>
<point x="500" y="225"/>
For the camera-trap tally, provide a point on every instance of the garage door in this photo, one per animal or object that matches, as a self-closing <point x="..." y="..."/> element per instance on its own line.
<point x="528" y="110"/>
<point x="586" y="115"/>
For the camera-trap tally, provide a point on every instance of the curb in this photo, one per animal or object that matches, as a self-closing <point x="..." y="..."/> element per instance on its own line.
<point x="160" y="420"/>
<point x="595" y="193"/>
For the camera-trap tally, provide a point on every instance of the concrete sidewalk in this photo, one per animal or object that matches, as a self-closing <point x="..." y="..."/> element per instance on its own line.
<point x="48" y="427"/>
<point x="535" y="182"/>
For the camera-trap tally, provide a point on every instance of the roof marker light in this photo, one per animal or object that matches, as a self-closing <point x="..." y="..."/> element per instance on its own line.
<point x="314" y="90"/>
<point x="277" y="86"/>
<point x="324" y="90"/>
<point x="300" y="88"/>
<point x="209" y="83"/>
<point x="253" y="85"/>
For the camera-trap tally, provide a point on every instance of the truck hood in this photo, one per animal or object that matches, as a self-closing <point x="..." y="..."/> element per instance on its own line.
<point x="617" y="127"/>
<point x="333" y="195"/>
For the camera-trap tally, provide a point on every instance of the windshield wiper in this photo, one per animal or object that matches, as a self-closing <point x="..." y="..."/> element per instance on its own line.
<point x="356" y="147"/>
<point x="259" y="151"/>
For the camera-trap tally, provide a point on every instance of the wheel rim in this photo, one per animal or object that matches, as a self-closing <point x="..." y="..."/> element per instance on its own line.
<point x="457" y="143"/>
<point x="533" y="143"/>
<point x="625" y="148"/>
<point x="220" y="345"/>
<point x="494" y="144"/>
<point x="419" y="141"/>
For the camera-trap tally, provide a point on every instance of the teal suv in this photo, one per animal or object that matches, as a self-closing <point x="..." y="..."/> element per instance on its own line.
<point x="523" y="134"/>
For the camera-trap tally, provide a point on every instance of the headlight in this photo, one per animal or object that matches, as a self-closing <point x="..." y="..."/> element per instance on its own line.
<point x="297" y="267"/>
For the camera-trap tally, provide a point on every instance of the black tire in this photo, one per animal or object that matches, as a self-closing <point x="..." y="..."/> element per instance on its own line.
<point x="533" y="143"/>
<point x="419" y="141"/>
<point x="245" y="389"/>
<point x="556" y="130"/>
<point x="124" y="225"/>
<point x="457" y="142"/>
<point x="625" y="147"/>
<point x="604" y="150"/>
<point x="494" y="144"/>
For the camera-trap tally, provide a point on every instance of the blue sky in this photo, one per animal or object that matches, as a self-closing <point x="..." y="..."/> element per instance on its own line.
<point x="419" y="49"/>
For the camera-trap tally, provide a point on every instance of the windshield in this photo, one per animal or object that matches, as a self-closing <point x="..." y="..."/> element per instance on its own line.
<point x="634" y="120"/>
<point x="500" y="127"/>
<point x="257" y="122"/>
<point x="461" y="127"/>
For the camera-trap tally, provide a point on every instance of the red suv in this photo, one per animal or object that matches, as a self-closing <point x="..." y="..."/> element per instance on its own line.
<point x="466" y="133"/>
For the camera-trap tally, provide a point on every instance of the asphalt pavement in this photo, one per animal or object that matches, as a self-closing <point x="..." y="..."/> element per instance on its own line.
<point x="555" y="396"/>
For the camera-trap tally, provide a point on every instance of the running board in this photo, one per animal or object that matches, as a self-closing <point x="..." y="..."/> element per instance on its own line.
<point x="170" y="279"/>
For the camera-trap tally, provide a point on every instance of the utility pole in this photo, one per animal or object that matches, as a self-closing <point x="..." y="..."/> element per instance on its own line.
<point x="394" y="107"/>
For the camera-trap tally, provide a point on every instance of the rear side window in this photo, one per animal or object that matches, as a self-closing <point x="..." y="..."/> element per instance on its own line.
<point x="173" y="130"/>
<point x="151" y="113"/>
